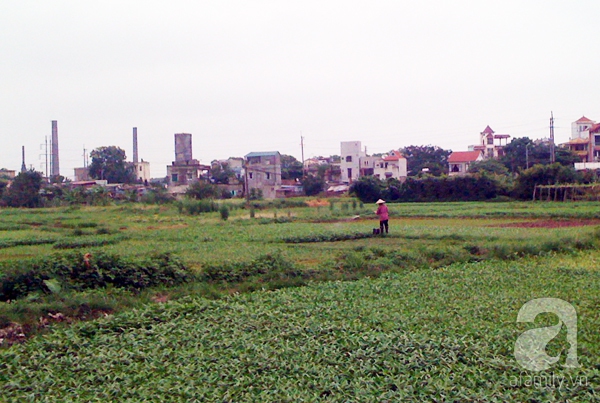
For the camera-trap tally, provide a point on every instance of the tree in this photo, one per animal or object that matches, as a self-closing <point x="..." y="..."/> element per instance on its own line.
<point x="489" y="165"/>
<point x="367" y="188"/>
<point x="291" y="168"/>
<point x="24" y="190"/>
<point x="202" y="190"/>
<point x="313" y="185"/>
<point x="566" y="157"/>
<point x="543" y="175"/>
<point x="433" y="158"/>
<point x="523" y="153"/>
<point x="221" y="173"/>
<point x="109" y="163"/>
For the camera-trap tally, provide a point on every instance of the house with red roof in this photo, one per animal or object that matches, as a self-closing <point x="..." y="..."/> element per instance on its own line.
<point x="459" y="161"/>
<point x="392" y="165"/>
<point x="490" y="143"/>
<point x="356" y="163"/>
<point x="585" y="139"/>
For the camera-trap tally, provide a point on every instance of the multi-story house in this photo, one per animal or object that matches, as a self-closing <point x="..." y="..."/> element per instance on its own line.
<point x="356" y="163"/>
<point x="585" y="139"/>
<point x="263" y="171"/>
<point x="490" y="143"/>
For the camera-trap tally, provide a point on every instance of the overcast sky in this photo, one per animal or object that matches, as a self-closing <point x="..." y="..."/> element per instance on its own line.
<point x="246" y="76"/>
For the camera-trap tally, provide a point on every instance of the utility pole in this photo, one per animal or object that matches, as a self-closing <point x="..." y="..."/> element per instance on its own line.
<point x="552" y="151"/>
<point x="246" y="187"/>
<point x="302" y="146"/>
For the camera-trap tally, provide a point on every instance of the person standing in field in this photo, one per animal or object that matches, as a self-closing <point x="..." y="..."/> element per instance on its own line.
<point x="382" y="212"/>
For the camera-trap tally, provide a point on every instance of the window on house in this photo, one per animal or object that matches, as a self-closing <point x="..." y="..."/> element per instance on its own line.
<point x="268" y="175"/>
<point x="349" y="173"/>
<point x="174" y="177"/>
<point x="349" y="158"/>
<point x="140" y="168"/>
<point x="490" y="140"/>
<point x="455" y="168"/>
<point x="597" y="140"/>
<point x="250" y="175"/>
<point x="189" y="176"/>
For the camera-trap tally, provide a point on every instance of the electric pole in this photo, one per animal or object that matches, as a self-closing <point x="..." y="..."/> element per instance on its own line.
<point x="552" y="151"/>
<point x="302" y="146"/>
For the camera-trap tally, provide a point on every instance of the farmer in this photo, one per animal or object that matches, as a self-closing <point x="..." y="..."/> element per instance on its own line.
<point x="382" y="212"/>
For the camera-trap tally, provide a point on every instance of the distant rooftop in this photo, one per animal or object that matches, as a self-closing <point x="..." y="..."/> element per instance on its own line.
<point x="262" y="154"/>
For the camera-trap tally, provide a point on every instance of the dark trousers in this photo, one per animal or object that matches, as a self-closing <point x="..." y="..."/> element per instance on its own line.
<point x="382" y="224"/>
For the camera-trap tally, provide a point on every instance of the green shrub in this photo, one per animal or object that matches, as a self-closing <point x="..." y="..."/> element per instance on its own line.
<point x="78" y="271"/>
<point x="267" y="267"/>
<point x="224" y="211"/>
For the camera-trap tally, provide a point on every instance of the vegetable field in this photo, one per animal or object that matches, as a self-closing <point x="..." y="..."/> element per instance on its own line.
<point x="427" y="313"/>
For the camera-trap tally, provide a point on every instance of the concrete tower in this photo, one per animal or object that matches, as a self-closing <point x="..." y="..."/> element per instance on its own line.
<point x="135" y="146"/>
<point x="183" y="147"/>
<point x="54" y="161"/>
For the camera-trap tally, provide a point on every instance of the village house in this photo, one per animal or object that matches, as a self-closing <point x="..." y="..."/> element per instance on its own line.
<point x="356" y="163"/>
<point x="585" y="140"/>
<point x="490" y="143"/>
<point x="459" y="161"/>
<point x="185" y="170"/>
<point x="489" y="147"/>
<point x="263" y="172"/>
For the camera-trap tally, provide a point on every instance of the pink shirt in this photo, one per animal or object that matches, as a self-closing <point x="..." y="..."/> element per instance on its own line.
<point x="382" y="212"/>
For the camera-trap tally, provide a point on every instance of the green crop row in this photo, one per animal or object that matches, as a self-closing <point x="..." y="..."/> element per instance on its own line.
<point x="445" y="335"/>
<point x="78" y="271"/>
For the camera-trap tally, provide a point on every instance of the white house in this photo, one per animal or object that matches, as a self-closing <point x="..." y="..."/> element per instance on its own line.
<point x="351" y="152"/>
<point x="356" y="163"/>
<point x="392" y="165"/>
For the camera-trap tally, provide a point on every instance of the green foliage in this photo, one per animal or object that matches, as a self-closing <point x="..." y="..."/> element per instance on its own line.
<point x="256" y="194"/>
<point x="78" y="271"/>
<point x="433" y="158"/>
<point x="86" y="242"/>
<point x="313" y="185"/>
<point x="109" y="163"/>
<point x="157" y="195"/>
<point x="224" y="211"/>
<point x="291" y="168"/>
<point x="24" y="190"/>
<point x="542" y="175"/>
<point x="367" y="188"/>
<point x="425" y="335"/>
<point x="202" y="190"/>
<point x="195" y="207"/>
<point x="221" y="173"/>
<point x="490" y="166"/>
<point x="460" y="188"/>
<point x="265" y="267"/>
<point x="327" y="237"/>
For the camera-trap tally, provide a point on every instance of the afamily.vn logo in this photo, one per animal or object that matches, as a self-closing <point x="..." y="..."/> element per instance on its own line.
<point x="530" y="347"/>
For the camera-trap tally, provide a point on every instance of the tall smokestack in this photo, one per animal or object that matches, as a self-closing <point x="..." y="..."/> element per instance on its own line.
<point x="135" y="148"/>
<point x="54" y="162"/>
<point x="183" y="147"/>
<point x="23" y="167"/>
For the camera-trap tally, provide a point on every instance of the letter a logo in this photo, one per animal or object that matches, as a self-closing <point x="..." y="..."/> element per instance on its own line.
<point x="530" y="347"/>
